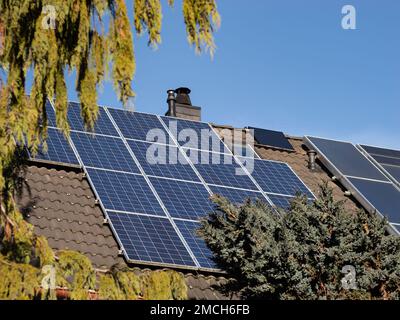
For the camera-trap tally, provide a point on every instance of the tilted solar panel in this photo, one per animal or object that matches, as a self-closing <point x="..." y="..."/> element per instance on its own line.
<point x="103" y="152"/>
<point x="282" y="202"/>
<point x="182" y="199"/>
<point x="150" y="239"/>
<point x="346" y="158"/>
<point x="124" y="192"/>
<point x="162" y="160"/>
<point x="103" y="124"/>
<point x="58" y="149"/>
<point x="195" y="135"/>
<point x="383" y="196"/>
<point x="140" y="126"/>
<point x="198" y="246"/>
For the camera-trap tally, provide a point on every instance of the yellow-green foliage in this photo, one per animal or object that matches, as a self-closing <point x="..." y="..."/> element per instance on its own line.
<point x="75" y="271"/>
<point x="129" y="284"/>
<point x="164" y="285"/>
<point x="44" y="252"/>
<point x="78" y="42"/>
<point x="108" y="288"/>
<point x="18" y="281"/>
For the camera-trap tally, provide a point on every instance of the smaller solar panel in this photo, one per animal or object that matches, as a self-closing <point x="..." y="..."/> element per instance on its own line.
<point x="276" y="177"/>
<point x="386" y="160"/>
<point x="140" y="126"/>
<point x="237" y="196"/>
<point x="220" y="169"/>
<point x="281" y="201"/>
<point x="125" y="192"/>
<point x="383" y="196"/>
<point x="275" y="139"/>
<point x="103" y="124"/>
<point x="103" y="152"/>
<point x="195" y="135"/>
<point x="198" y="246"/>
<point x="162" y="160"/>
<point x="184" y="200"/>
<point x="346" y="158"/>
<point x="58" y="149"/>
<point x="150" y="239"/>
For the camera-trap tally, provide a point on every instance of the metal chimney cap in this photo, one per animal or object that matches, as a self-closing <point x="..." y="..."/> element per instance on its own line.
<point x="183" y="90"/>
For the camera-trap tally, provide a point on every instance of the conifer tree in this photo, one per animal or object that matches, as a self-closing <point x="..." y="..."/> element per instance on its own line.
<point x="304" y="252"/>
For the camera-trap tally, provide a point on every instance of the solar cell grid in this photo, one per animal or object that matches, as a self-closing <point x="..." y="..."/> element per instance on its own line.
<point x="277" y="177"/>
<point x="198" y="246"/>
<point x="150" y="239"/>
<point x="140" y="126"/>
<point x="162" y="160"/>
<point x="124" y="192"/>
<point x="196" y="135"/>
<point x="103" y="152"/>
<point x="58" y="149"/>
<point x="182" y="199"/>
<point x="103" y="124"/>
<point x="220" y="169"/>
<point x="281" y="201"/>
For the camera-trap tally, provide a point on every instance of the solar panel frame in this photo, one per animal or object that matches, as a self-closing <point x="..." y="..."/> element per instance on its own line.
<point x="59" y="149"/>
<point x="198" y="246"/>
<point x="124" y="192"/>
<point x="150" y="240"/>
<point x="175" y="167"/>
<point x="103" y="152"/>
<point x="283" y="202"/>
<point x="183" y="199"/>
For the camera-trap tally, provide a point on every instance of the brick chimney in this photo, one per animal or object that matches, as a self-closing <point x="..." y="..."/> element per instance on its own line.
<point x="180" y="105"/>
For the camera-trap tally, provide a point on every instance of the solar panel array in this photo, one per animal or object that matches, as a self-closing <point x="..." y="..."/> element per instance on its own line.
<point x="153" y="177"/>
<point x="368" y="183"/>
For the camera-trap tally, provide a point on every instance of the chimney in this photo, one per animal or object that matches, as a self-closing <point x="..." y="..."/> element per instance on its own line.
<point x="180" y="105"/>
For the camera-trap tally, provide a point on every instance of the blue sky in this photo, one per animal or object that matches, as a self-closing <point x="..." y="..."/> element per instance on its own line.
<point x="285" y="65"/>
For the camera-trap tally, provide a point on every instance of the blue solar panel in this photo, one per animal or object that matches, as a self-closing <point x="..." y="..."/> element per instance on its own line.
<point x="382" y="196"/>
<point x="198" y="246"/>
<point x="196" y="135"/>
<point x="162" y="160"/>
<point x="281" y="201"/>
<point x="140" y="126"/>
<point x="220" y="169"/>
<point x="51" y="115"/>
<point x="382" y="151"/>
<point x="58" y="149"/>
<point x="386" y="160"/>
<point x="150" y="239"/>
<point x="184" y="200"/>
<point x="346" y="158"/>
<point x="237" y="196"/>
<point x="276" y="177"/>
<point x="103" y="152"/>
<point x="124" y="192"/>
<point x="393" y="171"/>
<point x="103" y="124"/>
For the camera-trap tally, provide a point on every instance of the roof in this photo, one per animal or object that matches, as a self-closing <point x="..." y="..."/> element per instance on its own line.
<point x="60" y="204"/>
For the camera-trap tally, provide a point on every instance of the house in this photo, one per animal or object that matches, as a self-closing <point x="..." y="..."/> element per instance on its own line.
<point x="61" y="204"/>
